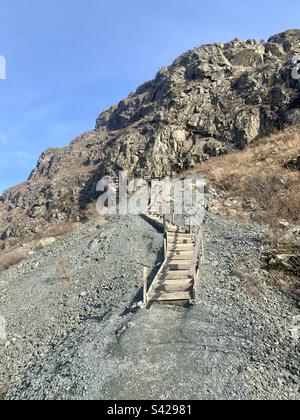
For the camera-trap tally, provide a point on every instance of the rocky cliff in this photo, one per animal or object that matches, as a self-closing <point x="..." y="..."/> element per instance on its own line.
<point x="211" y="100"/>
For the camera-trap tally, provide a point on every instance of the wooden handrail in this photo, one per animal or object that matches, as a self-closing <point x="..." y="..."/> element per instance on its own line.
<point x="197" y="255"/>
<point x="145" y="284"/>
<point x="157" y="275"/>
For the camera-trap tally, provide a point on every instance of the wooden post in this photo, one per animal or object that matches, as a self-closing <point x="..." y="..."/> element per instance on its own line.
<point x="145" y="284"/>
<point x="165" y="246"/>
<point x="165" y="223"/>
<point x="202" y="243"/>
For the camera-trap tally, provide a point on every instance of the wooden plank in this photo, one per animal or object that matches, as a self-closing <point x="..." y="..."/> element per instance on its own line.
<point x="145" y="284"/>
<point x="180" y="274"/>
<point x="173" y="229"/>
<point x="188" y="256"/>
<point x="162" y="268"/>
<point x="181" y="240"/>
<point x="178" y="281"/>
<point x="181" y="245"/>
<point x="180" y="234"/>
<point x="196" y="257"/>
<point x="175" y="265"/>
<point x="173" y="287"/>
<point x="165" y="223"/>
<point x="165" y="296"/>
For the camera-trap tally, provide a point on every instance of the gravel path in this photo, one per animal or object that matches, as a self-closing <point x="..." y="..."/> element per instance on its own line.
<point x="236" y="344"/>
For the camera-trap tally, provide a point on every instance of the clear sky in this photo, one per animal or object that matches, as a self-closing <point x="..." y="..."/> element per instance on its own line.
<point x="67" y="60"/>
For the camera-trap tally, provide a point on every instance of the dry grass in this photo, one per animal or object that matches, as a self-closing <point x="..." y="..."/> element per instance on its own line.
<point x="58" y="230"/>
<point x="11" y="258"/>
<point x="254" y="285"/>
<point x="63" y="271"/>
<point x="287" y="283"/>
<point x="252" y="281"/>
<point x="240" y="273"/>
<point x="258" y="175"/>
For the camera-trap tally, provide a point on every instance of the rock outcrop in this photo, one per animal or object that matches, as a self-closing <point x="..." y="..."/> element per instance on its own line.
<point x="211" y="100"/>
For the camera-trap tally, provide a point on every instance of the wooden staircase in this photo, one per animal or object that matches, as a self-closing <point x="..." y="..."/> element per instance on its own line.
<point x="175" y="281"/>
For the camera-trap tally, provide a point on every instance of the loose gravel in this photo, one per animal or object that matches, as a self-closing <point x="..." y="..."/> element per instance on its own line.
<point x="76" y="338"/>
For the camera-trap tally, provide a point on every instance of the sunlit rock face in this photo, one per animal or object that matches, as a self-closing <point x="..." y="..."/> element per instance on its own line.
<point x="210" y="101"/>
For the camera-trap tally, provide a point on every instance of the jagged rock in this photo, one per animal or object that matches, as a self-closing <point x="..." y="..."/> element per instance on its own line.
<point x="293" y="116"/>
<point x="210" y="100"/>
<point x="215" y="148"/>
<point x="293" y="163"/>
<point x="292" y="236"/>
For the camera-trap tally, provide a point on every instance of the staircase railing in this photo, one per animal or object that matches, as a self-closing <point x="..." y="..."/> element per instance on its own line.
<point x="187" y="222"/>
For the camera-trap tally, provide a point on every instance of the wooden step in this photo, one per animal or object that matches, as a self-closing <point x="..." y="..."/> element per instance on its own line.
<point x="170" y="288"/>
<point x="181" y="255"/>
<point x="180" y="247"/>
<point x="173" y="229"/>
<point x="169" y="296"/>
<point x="174" y="285"/>
<point x="179" y="241"/>
<point x="174" y="264"/>
<point x="179" y="234"/>
<point x="174" y="275"/>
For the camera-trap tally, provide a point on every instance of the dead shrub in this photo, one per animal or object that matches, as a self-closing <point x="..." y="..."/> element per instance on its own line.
<point x="11" y="258"/>
<point x="58" y="230"/>
<point x="287" y="283"/>
<point x="240" y="273"/>
<point x="254" y="285"/>
<point x="251" y="281"/>
<point x="63" y="271"/>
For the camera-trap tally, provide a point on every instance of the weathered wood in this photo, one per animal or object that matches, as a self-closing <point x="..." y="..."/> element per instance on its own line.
<point x="178" y="265"/>
<point x="180" y="274"/>
<point x="167" y="296"/>
<point x="180" y="235"/>
<point x="174" y="287"/>
<point x="165" y="247"/>
<point x="181" y="255"/>
<point x="145" y="284"/>
<point x="165" y="224"/>
<point x="197" y="251"/>
<point x="162" y="268"/>
<point x="180" y="247"/>
<point x="176" y="229"/>
<point x="179" y="240"/>
<point x="178" y="278"/>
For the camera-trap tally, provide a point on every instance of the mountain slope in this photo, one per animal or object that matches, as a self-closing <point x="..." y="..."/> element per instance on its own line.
<point x="211" y="100"/>
<point x="73" y="337"/>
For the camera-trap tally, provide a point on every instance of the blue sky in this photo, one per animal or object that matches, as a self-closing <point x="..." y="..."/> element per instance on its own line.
<point x="67" y="60"/>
